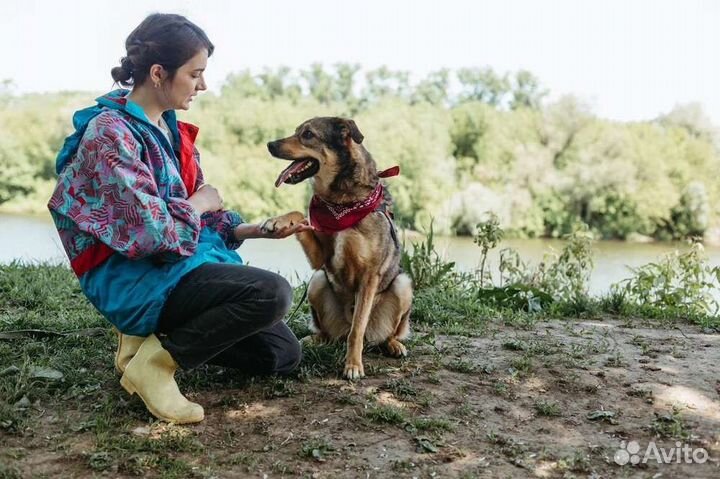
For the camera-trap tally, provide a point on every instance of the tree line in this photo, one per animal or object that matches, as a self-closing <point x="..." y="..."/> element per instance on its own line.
<point x="468" y="142"/>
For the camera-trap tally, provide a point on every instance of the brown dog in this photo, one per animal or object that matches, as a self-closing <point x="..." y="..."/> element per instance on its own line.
<point x="357" y="290"/>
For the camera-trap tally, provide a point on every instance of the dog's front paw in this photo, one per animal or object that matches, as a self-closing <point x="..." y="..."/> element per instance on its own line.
<point x="354" y="370"/>
<point x="271" y="225"/>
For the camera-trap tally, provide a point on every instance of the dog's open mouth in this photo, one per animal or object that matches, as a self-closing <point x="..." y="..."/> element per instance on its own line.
<point x="298" y="171"/>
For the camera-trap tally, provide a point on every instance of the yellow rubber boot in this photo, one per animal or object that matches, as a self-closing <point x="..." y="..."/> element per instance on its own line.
<point x="127" y="347"/>
<point x="151" y="374"/>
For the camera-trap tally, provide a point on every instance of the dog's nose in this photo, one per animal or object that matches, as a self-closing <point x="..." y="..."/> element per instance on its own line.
<point x="272" y="147"/>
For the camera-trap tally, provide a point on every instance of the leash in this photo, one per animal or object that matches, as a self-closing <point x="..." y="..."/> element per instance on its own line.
<point x="300" y="303"/>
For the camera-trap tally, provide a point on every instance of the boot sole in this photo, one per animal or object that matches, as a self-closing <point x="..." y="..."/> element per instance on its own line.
<point x="131" y="389"/>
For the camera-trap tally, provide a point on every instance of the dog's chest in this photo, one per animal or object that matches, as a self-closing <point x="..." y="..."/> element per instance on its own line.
<point x="354" y="256"/>
<point x="343" y="264"/>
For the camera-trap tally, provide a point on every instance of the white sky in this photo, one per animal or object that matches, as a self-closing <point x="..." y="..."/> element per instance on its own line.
<point x="629" y="59"/>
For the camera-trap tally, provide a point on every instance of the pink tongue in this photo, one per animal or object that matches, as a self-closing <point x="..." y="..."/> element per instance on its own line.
<point x="296" y="165"/>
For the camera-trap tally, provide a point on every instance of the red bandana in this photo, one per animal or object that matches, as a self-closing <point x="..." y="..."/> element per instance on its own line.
<point x="331" y="217"/>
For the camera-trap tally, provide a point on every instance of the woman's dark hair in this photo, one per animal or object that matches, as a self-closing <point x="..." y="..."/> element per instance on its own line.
<point x="162" y="38"/>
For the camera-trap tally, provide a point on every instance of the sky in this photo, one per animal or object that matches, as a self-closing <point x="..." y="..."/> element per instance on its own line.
<point x="627" y="59"/>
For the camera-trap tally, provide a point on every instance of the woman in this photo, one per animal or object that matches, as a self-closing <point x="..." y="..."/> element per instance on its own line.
<point x="151" y="244"/>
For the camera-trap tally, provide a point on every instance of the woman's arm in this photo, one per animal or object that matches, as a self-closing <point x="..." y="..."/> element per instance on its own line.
<point x="111" y="195"/>
<point x="254" y="230"/>
<point x="245" y="231"/>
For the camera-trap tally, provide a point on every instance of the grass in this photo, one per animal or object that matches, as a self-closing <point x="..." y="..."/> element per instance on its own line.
<point x="523" y="364"/>
<point x="502" y="389"/>
<point x="452" y="311"/>
<point x="578" y="462"/>
<point x="73" y="376"/>
<point x="432" y="424"/>
<point x="385" y="414"/>
<point x="547" y="408"/>
<point x="461" y="366"/>
<point x="316" y="449"/>
<point x="670" y="425"/>
<point x="402" y="389"/>
<point x="322" y="360"/>
<point x="9" y="472"/>
<point x="49" y="298"/>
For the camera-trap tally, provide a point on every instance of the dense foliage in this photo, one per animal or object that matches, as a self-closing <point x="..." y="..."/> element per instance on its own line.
<point x="468" y="142"/>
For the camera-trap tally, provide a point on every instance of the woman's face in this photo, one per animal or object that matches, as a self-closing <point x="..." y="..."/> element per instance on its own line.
<point x="188" y="81"/>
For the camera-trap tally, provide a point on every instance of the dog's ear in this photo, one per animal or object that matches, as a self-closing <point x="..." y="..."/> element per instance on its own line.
<point x="350" y="128"/>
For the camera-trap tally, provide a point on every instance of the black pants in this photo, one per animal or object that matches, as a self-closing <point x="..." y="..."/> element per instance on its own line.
<point x="230" y="315"/>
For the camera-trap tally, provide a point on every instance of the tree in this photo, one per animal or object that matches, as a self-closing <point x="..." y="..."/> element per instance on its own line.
<point x="433" y="89"/>
<point x="383" y="82"/>
<point x="345" y="82"/>
<point x="278" y="83"/>
<point x="562" y="122"/>
<point x="526" y="91"/>
<point x="692" y="118"/>
<point x="321" y="85"/>
<point x="241" y="85"/>
<point x="483" y="85"/>
<point x="469" y="124"/>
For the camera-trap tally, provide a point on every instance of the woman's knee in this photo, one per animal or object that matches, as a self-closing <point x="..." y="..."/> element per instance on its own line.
<point x="276" y="294"/>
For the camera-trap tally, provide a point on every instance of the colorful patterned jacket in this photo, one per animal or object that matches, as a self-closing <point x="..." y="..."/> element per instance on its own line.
<point x="120" y="207"/>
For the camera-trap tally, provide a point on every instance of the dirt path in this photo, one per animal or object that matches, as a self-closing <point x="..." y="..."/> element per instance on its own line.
<point x="563" y="399"/>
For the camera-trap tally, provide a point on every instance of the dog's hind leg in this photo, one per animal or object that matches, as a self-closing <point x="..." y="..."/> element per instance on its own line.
<point x="390" y="319"/>
<point x="330" y="319"/>
<point x="393" y="346"/>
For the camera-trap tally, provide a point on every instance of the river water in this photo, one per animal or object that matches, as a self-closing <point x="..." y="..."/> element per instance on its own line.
<point x="34" y="239"/>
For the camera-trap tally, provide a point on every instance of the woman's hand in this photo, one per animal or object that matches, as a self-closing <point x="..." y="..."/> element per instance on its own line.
<point x="274" y="228"/>
<point x="284" y="231"/>
<point x="206" y="198"/>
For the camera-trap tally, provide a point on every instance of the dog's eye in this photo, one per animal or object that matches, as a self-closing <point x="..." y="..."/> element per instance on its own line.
<point x="308" y="135"/>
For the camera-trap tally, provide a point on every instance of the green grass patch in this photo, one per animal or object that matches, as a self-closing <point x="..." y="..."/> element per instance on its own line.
<point x="547" y="408"/>
<point x="385" y="414"/>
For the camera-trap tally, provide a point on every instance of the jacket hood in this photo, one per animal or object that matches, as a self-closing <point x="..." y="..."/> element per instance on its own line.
<point x="114" y="100"/>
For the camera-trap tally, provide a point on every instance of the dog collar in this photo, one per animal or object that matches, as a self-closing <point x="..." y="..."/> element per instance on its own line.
<point x="331" y="218"/>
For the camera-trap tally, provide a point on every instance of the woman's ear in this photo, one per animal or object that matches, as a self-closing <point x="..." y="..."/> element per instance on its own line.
<point x="157" y="75"/>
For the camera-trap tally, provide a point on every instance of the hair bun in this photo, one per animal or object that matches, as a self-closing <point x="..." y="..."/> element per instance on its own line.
<point x="124" y="73"/>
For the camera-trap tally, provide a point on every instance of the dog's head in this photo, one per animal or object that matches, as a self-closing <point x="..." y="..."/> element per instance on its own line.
<point x="327" y="149"/>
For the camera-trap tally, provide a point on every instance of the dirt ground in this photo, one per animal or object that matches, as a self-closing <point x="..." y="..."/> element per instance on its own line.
<point x="557" y="400"/>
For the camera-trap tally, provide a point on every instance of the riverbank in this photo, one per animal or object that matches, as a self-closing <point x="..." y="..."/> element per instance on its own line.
<point x="485" y="392"/>
<point x="33" y="239"/>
